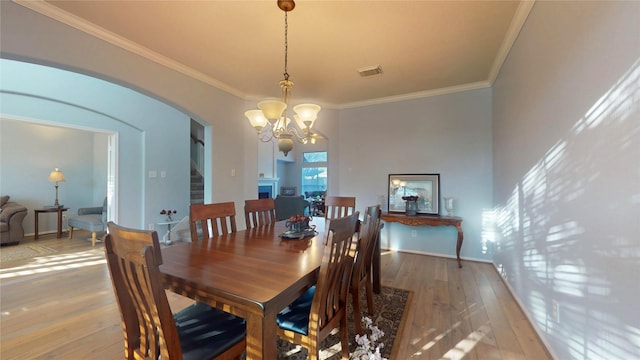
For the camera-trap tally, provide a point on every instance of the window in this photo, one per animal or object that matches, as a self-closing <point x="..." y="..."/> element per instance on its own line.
<point x="314" y="172"/>
<point x="316" y="156"/>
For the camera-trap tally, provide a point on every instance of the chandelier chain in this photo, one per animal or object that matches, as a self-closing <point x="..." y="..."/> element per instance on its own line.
<point x="286" y="45"/>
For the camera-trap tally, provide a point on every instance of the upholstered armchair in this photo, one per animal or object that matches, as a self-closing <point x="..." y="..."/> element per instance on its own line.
<point x="11" y="216"/>
<point x="287" y="206"/>
<point x="92" y="219"/>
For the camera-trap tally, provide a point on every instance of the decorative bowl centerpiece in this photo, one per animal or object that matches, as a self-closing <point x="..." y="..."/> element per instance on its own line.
<point x="298" y="223"/>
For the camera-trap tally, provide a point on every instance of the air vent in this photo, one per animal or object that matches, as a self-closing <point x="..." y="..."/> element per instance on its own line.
<point x="370" y="71"/>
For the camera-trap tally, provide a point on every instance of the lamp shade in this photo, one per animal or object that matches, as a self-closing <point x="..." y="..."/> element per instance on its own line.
<point x="306" y="113"/>
<point x="301" y="124"/>
<point x="256" y="118"/>
<point x="282" y="124"/>
<point x="272" y="109"/>
<point x="56" y="175"/>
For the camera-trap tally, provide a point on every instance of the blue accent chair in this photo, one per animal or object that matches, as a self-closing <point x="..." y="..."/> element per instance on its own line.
<point x="92" y="219"/>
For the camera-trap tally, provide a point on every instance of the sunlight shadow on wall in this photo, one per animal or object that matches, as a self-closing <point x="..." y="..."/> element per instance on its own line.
<point x="562" y="237"/>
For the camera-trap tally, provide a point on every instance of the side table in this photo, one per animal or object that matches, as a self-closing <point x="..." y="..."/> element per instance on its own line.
<point x="37" y="212"/>
<point x="168" y="224"/>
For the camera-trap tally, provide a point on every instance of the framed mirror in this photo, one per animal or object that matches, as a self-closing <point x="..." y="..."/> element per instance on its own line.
<point x="425" y="186"/>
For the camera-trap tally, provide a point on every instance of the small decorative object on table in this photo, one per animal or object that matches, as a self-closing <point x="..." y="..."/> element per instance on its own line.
<point x="412" y="204"/>
<point x="299" y="227"/>
<point x="448" y="205"/>
<point x="169" y="213"/>
<point x="298" y="223"/>
<point x="368" y="346"/>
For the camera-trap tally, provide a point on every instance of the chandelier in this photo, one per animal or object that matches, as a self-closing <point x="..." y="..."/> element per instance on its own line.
<point x="272" y="121"/>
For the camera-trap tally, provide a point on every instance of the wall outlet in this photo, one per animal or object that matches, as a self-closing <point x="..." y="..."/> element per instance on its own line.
<point x="555" y="311"/>
<point x="152" y="227"/>
<point x="414" y="233"/>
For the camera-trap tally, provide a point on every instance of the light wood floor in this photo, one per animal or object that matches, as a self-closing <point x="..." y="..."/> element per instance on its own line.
<point x="62" y="307"/>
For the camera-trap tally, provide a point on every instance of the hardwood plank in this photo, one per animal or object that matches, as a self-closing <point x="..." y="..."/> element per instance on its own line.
<point x="505" y="338"/>
<point x="464" y="334"/>
<point x="486" y="346"/>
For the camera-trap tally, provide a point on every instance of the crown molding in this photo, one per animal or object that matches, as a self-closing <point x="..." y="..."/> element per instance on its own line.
<point x="419" y="95"/>
<point x="53" y="12"/>
<point x="516" y="25"/>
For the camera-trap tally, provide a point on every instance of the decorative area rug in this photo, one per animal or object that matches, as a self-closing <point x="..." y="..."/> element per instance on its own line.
<point x="391" y="307"/>
<point x="21" y="252"/>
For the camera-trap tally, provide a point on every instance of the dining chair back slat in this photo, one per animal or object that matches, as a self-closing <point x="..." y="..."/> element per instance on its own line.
<point x="151" y="330"/>
<point x="259" y="212"/>
<point x="219" y="217"/>
<point x="323" y="308"/>
<point x="362" y="268"/>
<point x="339" y="206"/>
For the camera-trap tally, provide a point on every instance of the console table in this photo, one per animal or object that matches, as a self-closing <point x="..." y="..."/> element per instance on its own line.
<point x="429" y="220"/>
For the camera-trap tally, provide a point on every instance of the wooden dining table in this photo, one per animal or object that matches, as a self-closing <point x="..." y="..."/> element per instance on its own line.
<point x="251" y="273"/>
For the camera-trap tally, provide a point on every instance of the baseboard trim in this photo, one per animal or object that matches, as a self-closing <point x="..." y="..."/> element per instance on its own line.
<point x="463" y="258"/>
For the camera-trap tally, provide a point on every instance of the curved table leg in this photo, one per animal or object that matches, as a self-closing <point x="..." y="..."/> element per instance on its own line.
<point x="459" y="244"/>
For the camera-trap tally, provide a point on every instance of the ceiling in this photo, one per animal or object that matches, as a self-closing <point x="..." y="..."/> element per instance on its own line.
<point x="424" y="47"/>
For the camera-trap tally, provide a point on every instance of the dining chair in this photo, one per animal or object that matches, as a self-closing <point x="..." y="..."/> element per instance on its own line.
<point x="361" y="275"/>
<point x="339" y="206"/>
<point x="259" y="212"/>
<point x="323" y="307"/>
<point x="150" y="329"/>
<point x="220" y="216"/>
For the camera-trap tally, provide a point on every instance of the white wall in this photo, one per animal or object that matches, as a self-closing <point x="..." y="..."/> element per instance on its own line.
<point x="449" y="135"/>
<point x="567" y="176"/>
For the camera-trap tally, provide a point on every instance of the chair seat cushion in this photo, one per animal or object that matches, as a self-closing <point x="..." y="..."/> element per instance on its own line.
<point x="295" y="317"/>
<point x="206" y="332"/>
<point x="91" y="222"/>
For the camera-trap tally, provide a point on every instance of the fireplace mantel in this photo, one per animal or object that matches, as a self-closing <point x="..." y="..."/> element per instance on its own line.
<point x="271" y="182"/>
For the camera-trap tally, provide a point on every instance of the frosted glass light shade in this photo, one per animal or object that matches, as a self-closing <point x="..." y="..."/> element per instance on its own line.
<point x="272" y="109"/>
<point x="282" y="124"/>
<point x="256" y="118"/>
<point x="306" y="114"/>
<point x="299" y="122"/>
